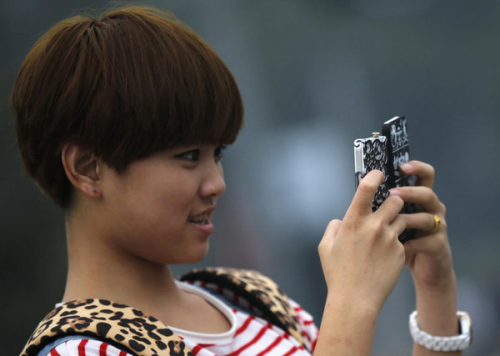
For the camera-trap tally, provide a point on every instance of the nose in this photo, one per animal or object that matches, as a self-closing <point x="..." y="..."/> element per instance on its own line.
<point x="214" y="184"/>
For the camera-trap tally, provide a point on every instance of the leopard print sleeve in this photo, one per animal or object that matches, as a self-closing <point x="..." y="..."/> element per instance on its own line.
<point x="111" y="322"/>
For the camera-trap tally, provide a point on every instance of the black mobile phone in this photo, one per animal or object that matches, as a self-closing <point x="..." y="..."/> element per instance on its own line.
<point x="398" y="145"/>
<point x="386" y="152"/>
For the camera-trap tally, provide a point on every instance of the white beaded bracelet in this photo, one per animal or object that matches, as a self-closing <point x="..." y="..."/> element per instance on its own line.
<point x="443" y="343"/>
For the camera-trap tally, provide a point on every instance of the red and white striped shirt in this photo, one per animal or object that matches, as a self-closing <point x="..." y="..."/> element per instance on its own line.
<point x="249" y="336"/>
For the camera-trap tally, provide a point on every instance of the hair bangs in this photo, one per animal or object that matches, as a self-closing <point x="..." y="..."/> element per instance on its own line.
<point x="168" y="88"/>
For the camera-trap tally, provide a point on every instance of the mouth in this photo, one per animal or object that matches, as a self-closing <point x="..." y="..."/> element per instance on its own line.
<point x="199" y="220"/>
<point x="203" y="218"/>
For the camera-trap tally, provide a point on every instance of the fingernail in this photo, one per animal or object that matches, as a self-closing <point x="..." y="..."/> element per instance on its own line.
<point x="373" y="177"/>
<point x="407" y="167"/>
<point x="395" y="192"/>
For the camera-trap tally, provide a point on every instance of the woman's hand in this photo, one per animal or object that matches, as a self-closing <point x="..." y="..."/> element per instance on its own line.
<point x="362" y="259"/>
<point x="429" y="255"/>
<point x="361" y="256"/>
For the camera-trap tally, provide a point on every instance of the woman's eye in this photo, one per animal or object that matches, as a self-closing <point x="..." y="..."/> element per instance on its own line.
<point x="219" y="152"/>
<point x="193" y="155"/>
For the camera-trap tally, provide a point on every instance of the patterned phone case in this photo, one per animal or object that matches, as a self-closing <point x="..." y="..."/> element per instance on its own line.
<point x="398" y="150"/>
<point x="386" y="153"/>
<point x="371" y="153"/>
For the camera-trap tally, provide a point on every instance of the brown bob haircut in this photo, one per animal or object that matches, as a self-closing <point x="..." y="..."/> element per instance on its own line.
<point x="127" y="84"/>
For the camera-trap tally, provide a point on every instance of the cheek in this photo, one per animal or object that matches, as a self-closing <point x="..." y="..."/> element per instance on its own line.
<point x="167" y="201"/>
<point x="152" y="222"/>
<point x="152" y="198"/>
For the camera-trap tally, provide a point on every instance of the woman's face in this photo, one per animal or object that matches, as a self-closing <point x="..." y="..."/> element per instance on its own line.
<point x="160" y="208"/>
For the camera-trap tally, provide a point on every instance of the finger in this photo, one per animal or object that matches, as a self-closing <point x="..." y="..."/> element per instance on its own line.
<point x="423" y="221"/>
<point x="425" y="172"/>
<point x="427" y="245"/>
<point x="362" y="202"/>
<point x="398" y="225"/>
<point x="330" y="234"/>
<point x="423" y="196"/>
<point x="333" y="228"/>
<point x="390" y="208"/>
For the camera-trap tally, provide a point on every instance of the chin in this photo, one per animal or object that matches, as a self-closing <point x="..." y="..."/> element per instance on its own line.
<point x="193" y="256"/>
<point x="197" y="257"/>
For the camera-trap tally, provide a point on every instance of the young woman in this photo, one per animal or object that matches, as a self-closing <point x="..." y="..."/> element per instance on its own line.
<point x="122" y="121"/>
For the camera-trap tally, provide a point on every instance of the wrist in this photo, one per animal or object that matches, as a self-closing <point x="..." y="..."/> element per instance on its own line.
<point x="354" y="305"/>
<point x="437" y="306"/>
<point x="435" y="272"/>
<point x="435" y="281"/>
<point x="347" y="328"/>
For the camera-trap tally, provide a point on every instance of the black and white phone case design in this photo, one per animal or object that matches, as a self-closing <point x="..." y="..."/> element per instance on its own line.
<point x="371" y="153"/>
<point x="398" y="144"/>
<point x="386" y="153"/>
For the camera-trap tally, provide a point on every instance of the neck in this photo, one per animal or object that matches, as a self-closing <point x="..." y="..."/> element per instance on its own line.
<point x="98" y="270"/>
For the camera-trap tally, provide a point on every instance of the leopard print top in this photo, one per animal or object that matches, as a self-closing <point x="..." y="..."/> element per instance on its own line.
<point x="115" y="323"/>
<point x="143" y="335"/>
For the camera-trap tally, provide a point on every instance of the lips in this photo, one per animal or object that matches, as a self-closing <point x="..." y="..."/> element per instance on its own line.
<point x="202" y="218"/>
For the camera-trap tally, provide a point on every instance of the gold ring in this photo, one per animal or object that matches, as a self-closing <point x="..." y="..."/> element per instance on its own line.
<point x="437" y="223"/>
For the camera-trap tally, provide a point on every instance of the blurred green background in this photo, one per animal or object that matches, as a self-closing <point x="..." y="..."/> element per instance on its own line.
<point x="315" y="75"/>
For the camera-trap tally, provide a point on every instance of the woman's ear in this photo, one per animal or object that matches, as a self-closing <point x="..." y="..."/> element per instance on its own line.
<point x="83" y="169"/>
